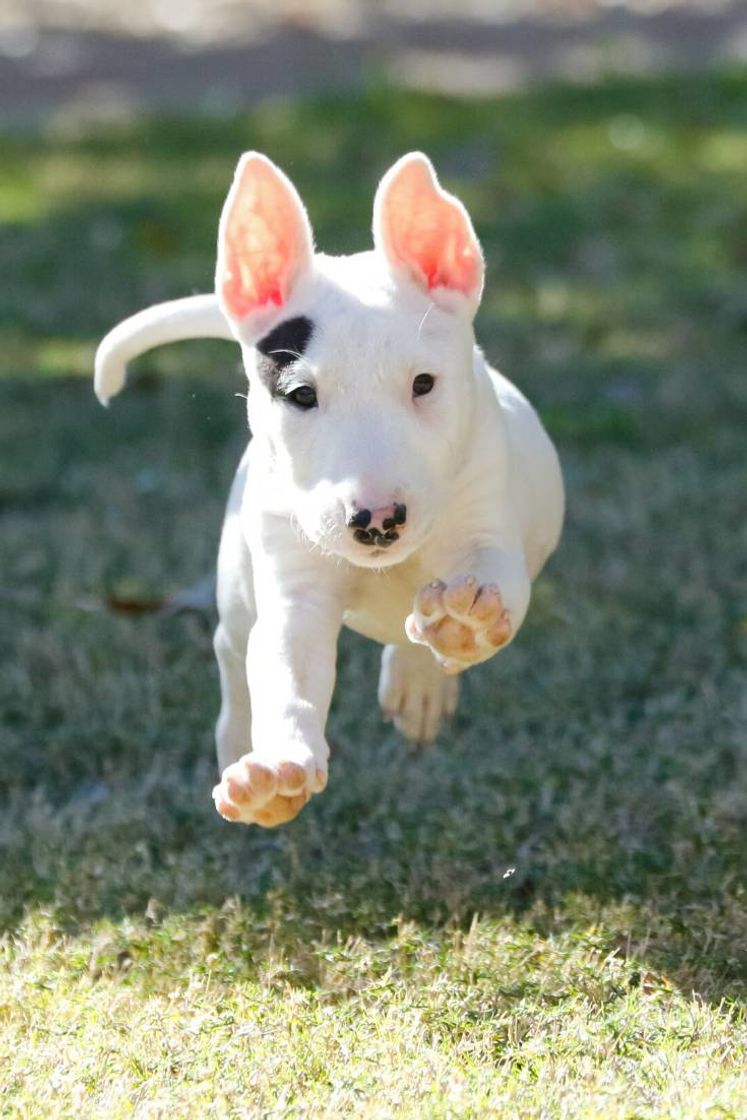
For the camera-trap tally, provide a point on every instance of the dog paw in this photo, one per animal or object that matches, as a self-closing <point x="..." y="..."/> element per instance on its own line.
<point x="462" y="621"/>
<point x="414" y="693"/>
<point x="257" y="791"/>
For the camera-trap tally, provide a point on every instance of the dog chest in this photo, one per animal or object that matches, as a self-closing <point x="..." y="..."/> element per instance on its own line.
<point x="379" y="601"/>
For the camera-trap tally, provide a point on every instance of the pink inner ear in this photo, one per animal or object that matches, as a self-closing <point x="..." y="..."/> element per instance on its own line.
<point x="264" y="240"/>
<point x="429" y="233"/>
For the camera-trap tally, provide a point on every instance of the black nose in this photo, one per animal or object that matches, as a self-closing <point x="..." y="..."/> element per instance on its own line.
<point x="399" y="515"/>
<point x="366" y="533"/>
<point x="361" y="519"/>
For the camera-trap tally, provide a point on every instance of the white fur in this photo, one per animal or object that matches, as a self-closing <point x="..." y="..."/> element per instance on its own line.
<point x="471" y="461"/>
<point x="194" y="317"/>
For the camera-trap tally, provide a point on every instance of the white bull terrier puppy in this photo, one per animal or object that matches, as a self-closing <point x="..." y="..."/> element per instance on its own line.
<point x="394" y="482"/>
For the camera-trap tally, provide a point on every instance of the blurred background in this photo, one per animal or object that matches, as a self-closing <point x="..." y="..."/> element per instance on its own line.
<point x="101" y="58"/>
<point x="601" y="149"/>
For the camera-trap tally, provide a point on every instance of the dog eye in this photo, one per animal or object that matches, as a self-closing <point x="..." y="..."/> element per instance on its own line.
<point x="304" y="396"/>
<point x="423" y="384"/>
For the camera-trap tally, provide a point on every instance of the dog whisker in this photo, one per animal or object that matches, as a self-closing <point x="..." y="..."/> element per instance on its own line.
<point x="292" y="354"/>
<point x="423" y="320"/>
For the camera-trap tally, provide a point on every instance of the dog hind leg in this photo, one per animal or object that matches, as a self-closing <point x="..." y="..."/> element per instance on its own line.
<point x="415" y="693"/>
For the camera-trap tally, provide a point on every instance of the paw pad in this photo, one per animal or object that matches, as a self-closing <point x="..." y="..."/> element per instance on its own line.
<point x="463" y="622"/>
<point x="255" y="791"/>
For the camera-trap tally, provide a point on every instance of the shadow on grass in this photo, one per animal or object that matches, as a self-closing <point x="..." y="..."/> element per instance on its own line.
<point x="595" y="775"/>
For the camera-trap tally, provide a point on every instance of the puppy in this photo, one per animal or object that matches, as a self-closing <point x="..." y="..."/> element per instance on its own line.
<point x="394" y="483"/>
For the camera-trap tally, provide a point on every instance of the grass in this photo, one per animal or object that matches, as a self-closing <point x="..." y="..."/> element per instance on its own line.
<point x="546" y="915"/>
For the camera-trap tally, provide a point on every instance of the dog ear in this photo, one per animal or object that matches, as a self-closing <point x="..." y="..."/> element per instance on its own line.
<point x="265" y="247"/>
<point x="426" y="235"/>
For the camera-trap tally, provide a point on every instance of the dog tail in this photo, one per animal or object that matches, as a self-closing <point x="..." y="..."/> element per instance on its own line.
<point x="192" y="317"/>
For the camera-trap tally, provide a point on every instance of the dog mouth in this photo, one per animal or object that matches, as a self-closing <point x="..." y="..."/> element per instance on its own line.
<point x="374" y="558"/>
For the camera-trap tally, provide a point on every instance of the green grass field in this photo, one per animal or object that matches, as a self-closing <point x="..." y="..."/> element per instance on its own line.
<point x="544" y="916"/>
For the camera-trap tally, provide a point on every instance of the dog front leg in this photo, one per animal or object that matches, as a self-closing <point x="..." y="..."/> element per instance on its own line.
<point x="475" y="612"/>
<point x="291" y="673"/>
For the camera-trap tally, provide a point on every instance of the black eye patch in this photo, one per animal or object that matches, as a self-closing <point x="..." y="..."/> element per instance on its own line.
<point x="285" y="344"/>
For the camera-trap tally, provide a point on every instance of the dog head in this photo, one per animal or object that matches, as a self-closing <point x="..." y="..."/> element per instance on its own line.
<point x="361" y="367"/>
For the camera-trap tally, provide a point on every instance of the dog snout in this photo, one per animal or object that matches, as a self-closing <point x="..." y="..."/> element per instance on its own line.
<point x="378" y="526"/>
